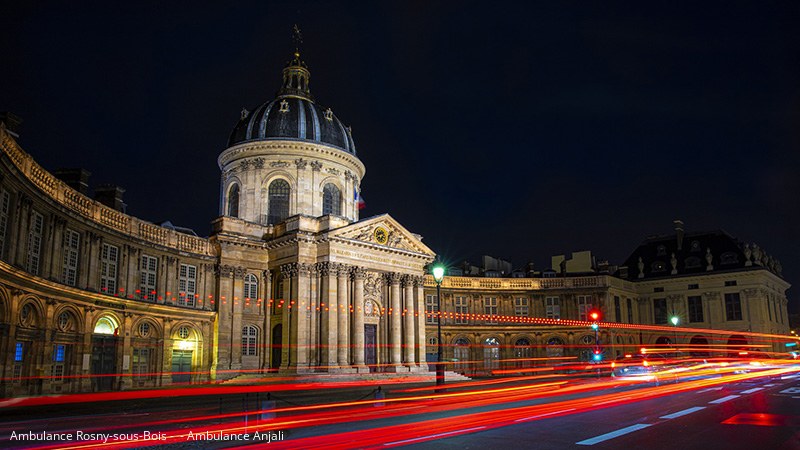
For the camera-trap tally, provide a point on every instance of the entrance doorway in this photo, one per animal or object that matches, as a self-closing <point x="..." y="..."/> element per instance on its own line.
<point x="277" y="346"/>
<point x="104" y="362"/>
<point x="371" y="346"/>
<point x="181" y="366"/>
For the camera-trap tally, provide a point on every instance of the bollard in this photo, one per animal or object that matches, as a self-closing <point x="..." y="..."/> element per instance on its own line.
<point x="379" y="395"/>
<point x="268" y="408"/>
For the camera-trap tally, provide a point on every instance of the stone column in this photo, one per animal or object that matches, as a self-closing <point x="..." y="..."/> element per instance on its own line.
<point x="300" y="317"/>
<point x="236" y="308"/>
<point x="408" y="322"/>
<point x="224" y="298"/>
<point x="343" y="313"/>
<point x="359" y="274"/>
<point x="419" y="313"/>
<point x="329" y="338"/>
<point x="395" y="324"/>
<point x="266" y="295"/>
<point x="289" y="338"/>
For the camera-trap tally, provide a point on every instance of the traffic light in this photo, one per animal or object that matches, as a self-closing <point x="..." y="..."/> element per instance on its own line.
<point x="594" y="315"/>
<point x="595" y="326"/>
<point x="597" y="355"/>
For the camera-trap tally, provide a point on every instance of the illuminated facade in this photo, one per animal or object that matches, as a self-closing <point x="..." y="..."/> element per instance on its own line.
<point x="292" y="280"/>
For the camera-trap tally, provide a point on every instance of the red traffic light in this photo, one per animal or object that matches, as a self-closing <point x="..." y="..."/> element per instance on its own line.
<point x="594" y="315"/>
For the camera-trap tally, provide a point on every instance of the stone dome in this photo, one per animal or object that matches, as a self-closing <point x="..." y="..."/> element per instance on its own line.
<point x="293" y="116"/>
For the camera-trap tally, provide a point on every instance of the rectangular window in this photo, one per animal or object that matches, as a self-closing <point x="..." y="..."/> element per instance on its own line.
<point x="584" y="306"/>
<point x="140" y="366"/>
<point x="694" y="286"/>
<point x="659" y="311"/>
<point x="552" y="307"/>
<point x="109" y="257"/>
<point x="521" y="307"/>
<point x="431" y="309"/>
<point x="148" y="269"/>
<point x="5" y="207"/>
<point x="658" y="289"/>
<point x="629" y="307"/>
<point x="490" y="309"/>
<point x="18" y="352"/>
<point x="461" y="310"/>
<point x="187" y="285"/>
<point x="617" y="309"/>
<point x="695" y="309"/>
<point x="730" y="283"/>
<point x="770" y="305"/>
<point x="72" y="241"/>
<point x="57" y="371"/>
<point x="35" y="242"/>
<point x="733" y="307"/>
<point x="249" y="341"/>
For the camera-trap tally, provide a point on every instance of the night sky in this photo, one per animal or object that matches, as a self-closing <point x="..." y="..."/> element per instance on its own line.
<point x="515" y="130"/>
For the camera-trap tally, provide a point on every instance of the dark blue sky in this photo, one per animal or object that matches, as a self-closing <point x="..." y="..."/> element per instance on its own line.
<point x="519" y="129"/>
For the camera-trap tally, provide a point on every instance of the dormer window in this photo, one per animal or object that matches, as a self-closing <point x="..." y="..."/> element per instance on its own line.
<point x="661" y="250"/>
<point x="729" y="258"/>
<point x="659" y="266"/>
<point x="695" y="246"/>
<point x="691" y="262"/>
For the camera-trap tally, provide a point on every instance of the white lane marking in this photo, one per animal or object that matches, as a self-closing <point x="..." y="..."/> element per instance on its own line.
<point x="725" y="399"/>
<point x="612" y="401"/>
<point x="770" y="385"/>
<point x="789" y="377"/>
<point x="613" y="434"/>
<point x="791" y="390"/>
<point x="434" y="436"/>
<point x="750" y="391"/>
<point x="543" y="415"/>
<point x="682" y="413"/>
<point x="711" y="389"/>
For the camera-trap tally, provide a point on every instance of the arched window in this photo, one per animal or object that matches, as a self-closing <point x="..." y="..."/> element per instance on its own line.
<point x="250" y="286"/>
<point x="278" y="201"/>
<point x="491" y="353"/>
<point x="331" y="200"/>
<point x="461" y="354"/>
<point x="249" y="341"/>
<point x="523" y="352"/>
<point x="555" y="347"/>
<point x="233" y="201"/>
<point x="106" y="325"/>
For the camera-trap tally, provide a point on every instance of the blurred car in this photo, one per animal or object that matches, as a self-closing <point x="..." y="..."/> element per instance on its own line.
<point x="639" y="366"/>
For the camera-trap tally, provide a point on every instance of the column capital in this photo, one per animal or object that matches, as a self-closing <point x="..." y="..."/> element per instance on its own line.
<point x="343" y="270"/>
<point x="393" y="278"/>
<point x="304" y="269"/>
<point x="358" y="273"/>
<point x="288" y="270"/>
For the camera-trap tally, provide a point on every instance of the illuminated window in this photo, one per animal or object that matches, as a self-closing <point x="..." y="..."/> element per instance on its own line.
<point x="490" y="309"/>
<point x="35" y="242"/>
<point x="584" y="306"/>
<point x="461" y="310"/>
<point x="555" y="347"/>
<point x="523" y="352"/>
<point x="521" y="307"/>
<point x="72" y="240"/>
<point x="331" y="200"/>
<point x="18" y="352"/>
<point x="109" y="258"/>
<point x="148" y="270"/>
<point x="250" y="286"/>
<point x="552" y="307"/>
<point x="184" y="332"/>
<point x="491" y="353"/>
<point x="233" y="201"/>
<point x="187" y="285"/>
<point x="57" y="369"/>
<point x="461" y="354"/>
<point x="105" y="326"/>
<point x="249" y="341"/>
<point x="144" y="329"/>
<point x="5" y="207"/>
<point x="658" y="266"/>
<point x="278" y="201"/>
<point x="431" y="309"/>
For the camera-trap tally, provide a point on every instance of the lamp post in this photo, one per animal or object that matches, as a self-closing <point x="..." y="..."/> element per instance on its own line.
<point x="438" y="276"/>
<point x="675" y="320"/>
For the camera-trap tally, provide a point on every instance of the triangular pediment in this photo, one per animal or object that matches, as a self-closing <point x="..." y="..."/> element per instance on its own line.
<point x="383" y="230"/>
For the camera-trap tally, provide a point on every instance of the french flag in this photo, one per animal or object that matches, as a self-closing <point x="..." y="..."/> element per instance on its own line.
<point x="359" y="201"/>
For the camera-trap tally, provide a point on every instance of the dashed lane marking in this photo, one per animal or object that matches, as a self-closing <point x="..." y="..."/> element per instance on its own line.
<point x="682" y="413"/>
<point x="434" y="436"/>
<point x="710" y="389"/>
<point x="724" y="399"/>
<point x="613" y="434"/>
<point x="750" y="391"/>
<point x="543" y="415"/>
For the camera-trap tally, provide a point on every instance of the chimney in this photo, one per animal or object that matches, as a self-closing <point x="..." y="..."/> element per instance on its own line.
<point x="679" y="232"/>
<point x="77" y="179"/>
<point x="11" y="122"/>
<point x="111" y="196"/>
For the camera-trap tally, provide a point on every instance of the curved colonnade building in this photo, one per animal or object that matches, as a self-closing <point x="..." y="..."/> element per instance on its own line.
<point x="292" y="280"/>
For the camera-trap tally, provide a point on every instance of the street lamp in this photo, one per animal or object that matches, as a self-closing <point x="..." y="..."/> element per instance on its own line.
<point x="675" y="320"/>
<point x="438" y="276"/>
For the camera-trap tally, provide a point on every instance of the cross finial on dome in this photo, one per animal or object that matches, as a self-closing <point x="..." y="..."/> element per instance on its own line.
<point x="297" y="37"/>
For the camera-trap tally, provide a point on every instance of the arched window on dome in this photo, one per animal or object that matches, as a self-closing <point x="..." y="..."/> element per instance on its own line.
<point x="278" y="201"/>
<point x="331" y="200"/>
<point x="233" y="201"/>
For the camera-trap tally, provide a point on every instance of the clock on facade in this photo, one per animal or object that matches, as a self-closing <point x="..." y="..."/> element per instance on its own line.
<point x="381" y="235"/>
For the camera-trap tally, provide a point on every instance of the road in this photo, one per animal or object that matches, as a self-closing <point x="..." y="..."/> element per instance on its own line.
<point x="731" y="410"/>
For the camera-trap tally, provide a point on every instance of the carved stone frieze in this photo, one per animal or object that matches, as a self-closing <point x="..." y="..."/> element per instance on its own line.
<point x="239" y="272"/>
<point x="244" y="165"/>
<point x="279" y="164"/>
<point x="373" y="285"/>
<point x="333" y="171"/>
